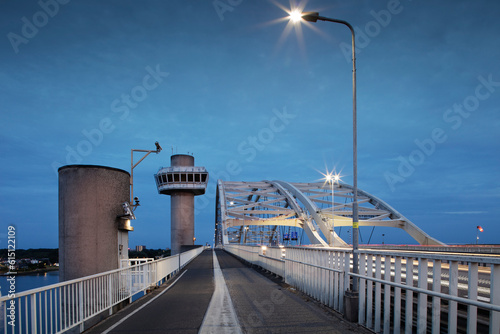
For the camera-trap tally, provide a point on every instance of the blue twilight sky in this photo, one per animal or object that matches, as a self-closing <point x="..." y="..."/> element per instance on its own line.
<point x="86" y="81"/>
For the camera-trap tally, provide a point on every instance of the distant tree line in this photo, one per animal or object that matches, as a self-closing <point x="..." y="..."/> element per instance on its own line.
<point x="148" y="253"/>
<point x="53" y="254"/>
<point x="36" y="254"/>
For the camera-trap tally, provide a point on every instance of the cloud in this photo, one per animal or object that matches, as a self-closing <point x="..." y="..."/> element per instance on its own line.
<point x="465" y="212"/>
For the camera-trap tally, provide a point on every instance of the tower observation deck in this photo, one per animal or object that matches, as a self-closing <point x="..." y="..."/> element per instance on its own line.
<point x="182" y="181"/>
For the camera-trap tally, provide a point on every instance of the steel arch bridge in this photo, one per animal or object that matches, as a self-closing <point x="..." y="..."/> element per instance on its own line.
<point x="254" y="212"/>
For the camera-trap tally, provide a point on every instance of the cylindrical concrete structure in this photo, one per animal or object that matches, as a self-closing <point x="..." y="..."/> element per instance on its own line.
<point x="181" y="220"/>
<point x="90" y="202"/>
<point x="181" y="160"/>
<point x="181" y="209"/>
<point x="182" y="181"/>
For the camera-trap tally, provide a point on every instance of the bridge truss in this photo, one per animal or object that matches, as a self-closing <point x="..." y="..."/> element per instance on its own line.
<point x="256" y="212"/>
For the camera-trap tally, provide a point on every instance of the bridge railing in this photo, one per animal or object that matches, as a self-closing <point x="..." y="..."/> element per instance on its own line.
<point x="398" y="291"/>
<point x="60" y="307"/>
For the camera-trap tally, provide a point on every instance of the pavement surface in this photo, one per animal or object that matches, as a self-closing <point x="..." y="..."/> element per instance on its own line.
<point x="237" y="299"/>
<point x="178" y="310"/>
<point x="264" y="306"/>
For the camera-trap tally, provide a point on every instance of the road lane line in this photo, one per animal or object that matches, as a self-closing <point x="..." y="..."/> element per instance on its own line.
<point x="140" y="308"/>
<point x="221" y="316"/>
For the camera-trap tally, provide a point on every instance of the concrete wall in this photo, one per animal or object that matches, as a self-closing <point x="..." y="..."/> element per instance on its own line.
<point x="181" y="220"/>
<point x="179" y="160"/>
<point x="182" y="209"/>
<point x="90" y="199"/>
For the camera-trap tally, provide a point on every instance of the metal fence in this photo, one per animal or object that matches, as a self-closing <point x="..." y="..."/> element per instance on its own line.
<point x="398" y="291"/>
<point x="68" y="305"/>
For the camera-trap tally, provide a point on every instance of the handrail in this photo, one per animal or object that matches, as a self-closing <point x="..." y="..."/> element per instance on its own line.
<point x="63" y="306"/>
<point x="323" y="273"/>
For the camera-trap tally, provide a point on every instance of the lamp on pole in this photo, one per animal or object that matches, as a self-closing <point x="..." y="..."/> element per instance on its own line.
<point x="132" y="166"/>
<point x="314" y="17"/>
<point x="332" y="178"/>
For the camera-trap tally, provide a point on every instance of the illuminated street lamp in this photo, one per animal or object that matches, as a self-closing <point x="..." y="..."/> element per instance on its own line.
<point x="314" y="17"/>
<point x="295" y="16"/>
<point x="479" y="229"/>
<point x="332" y="178"/>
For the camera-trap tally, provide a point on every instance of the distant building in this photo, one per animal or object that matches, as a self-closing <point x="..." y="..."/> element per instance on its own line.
<point x="140" y="248"/>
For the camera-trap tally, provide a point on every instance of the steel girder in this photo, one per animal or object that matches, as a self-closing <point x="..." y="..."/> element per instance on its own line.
<point x="249" y="212"/>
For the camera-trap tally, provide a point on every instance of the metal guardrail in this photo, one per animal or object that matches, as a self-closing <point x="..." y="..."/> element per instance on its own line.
<point x="60" y="307"/>
<point x="387" y="278"/>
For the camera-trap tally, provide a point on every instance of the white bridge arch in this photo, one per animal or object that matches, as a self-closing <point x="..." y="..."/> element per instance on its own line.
<point x="251" y="212"/>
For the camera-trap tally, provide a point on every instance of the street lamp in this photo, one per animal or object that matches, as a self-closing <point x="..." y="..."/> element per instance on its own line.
<point x="132" y="166"/>
<point x="295" y="16"/>
<point x="332" y="178"/>
<point x="314" y="17"/>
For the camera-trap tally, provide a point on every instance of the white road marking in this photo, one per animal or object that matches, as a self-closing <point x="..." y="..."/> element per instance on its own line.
<point x="221" y="316"/>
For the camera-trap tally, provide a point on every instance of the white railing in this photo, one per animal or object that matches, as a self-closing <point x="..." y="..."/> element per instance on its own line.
<point x="247" y="253"/>
<point x="436" y="292"/>
<point x="60" y="307"/>
<point x="132" y="262"/>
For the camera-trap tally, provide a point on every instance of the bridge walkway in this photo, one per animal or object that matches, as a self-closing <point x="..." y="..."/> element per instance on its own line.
<point x="257" y="303"/>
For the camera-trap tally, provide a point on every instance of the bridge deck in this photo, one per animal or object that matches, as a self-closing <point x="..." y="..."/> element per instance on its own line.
<point x="260" y="305"/>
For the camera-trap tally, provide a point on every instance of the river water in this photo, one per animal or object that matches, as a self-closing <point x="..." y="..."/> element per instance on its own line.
<point x="28" y="282"/>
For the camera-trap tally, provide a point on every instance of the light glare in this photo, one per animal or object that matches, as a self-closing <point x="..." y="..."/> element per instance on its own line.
<point x="295" y="16"/>
<point x="331" y="177"/>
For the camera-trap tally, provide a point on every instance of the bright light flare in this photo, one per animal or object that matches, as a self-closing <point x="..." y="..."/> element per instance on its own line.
<point x="295" y="16"/>
<point x="331" y="177"/>
<point x="294" y="23"/>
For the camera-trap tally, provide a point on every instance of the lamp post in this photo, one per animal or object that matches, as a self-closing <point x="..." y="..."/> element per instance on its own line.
<point x="332" y="178"/>
<point x="132" y="166"/>
<point x="314" y="17"/>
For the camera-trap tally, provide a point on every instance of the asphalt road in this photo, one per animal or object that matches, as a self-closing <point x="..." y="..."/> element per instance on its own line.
<point x="264" y="306"/>
<point x="180" y="310"/>
<point x="261" y="305"/>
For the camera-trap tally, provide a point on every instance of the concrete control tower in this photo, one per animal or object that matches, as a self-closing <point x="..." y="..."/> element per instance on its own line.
<point x="182" y="181"/>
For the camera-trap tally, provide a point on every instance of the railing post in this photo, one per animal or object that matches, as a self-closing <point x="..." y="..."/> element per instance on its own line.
<point x="409" y="296"/>
<point x="472" y="292"/>
<point x="110" y="294"/>
<point x="129" y="276"/>
<point x="3" y="309"/>
<point x="422" y="297"/>
<point x="452" y="305"/>
<point x="144" y="279"/>
<point x="378" y="293"/>
<point x="495" y="298"/>
<point x="34" y="328"/>
<point x="369" y="292"/>
<point x="436" y="301"/>
<point x="80" y="305"/>
<point x="362" y="290"/>
<point x="387" y="295"/>
<point x="397" y="294"/>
